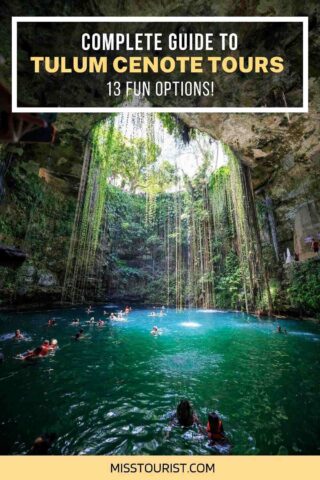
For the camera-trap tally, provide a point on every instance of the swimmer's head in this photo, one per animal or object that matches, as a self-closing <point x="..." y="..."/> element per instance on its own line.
<point x="185" y="413"/>
<point x="54" y="342"/>
<point x="46" y="342"/>
<point x="213" y="420"/>
<point x="81" y="331"/>
<point x="18" y="332"/>
<point x="40" y="446"/>
<point x="155" y="328"/>
<point x="43" y="443"/>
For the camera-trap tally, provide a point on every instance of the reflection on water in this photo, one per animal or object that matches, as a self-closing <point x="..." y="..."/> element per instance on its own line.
<point x="188" y="362"/>
<point x="190" y="324"/>
<point x="115" y="391"/>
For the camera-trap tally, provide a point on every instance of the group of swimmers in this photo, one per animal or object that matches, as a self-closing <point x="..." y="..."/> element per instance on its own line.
<point x="185" y="417"/>
<point x="49" y="346"/>
<point x="112" y="316"/>
<point x="100" y="323"/>
<point x="158" y="314"/>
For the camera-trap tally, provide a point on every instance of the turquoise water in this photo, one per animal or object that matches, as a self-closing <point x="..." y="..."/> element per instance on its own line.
<point x="114" y="391"/>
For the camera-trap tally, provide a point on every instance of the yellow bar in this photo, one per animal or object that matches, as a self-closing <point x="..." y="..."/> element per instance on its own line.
<point x="99" y="468"/>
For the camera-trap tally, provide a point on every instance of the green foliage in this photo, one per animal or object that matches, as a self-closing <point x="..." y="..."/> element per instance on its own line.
<point x="140" y="231"/>
<point x="229" y="283"/>
<point x="219" y="177"/>
<point x="38" y="219"/>
<point x="303" y="286"/>
<point x="176" y="127"/>
<point x="35" y="212"/>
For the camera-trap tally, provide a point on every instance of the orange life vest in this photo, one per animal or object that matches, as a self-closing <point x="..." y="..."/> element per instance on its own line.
<point x="216" y="435"/>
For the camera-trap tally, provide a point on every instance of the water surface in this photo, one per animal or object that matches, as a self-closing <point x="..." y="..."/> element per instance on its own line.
<point x="114" y="392"/>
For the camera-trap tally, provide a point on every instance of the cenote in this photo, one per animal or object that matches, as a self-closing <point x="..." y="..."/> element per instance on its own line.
<point x="146" y="211"/>
<point x="115" y="391"/>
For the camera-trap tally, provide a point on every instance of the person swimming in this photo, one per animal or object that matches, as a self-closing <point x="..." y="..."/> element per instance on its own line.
<point x="42" y="444"/>
<point x="41" y="351"/>
<point x="32" y="354"/>
<point x="45" y="348"/>
<point x="279" y="329"/>
<point x="51" y="322"/>
<point x="155" y="331"/>
<point x="18" y="335"/>
<point x="185" y="415"/>
<point x="79" y="335"/>
<point x="89" y="310"/>
<point x="75" y="321"/>
<point x="53" y="344"/>
<point x="100" y="323"/>
<point x="215" y="429"/>
<point x="91" y="321"/>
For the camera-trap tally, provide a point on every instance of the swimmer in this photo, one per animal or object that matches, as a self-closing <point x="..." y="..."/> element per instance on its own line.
<point x="285" y="331"/>
<point x="155" y="331"/>
<point x="100" y="323"/>
<point x="89" y="309"/>
<point x="79" y="335"/>
<point x="120" y="314"/>
<point x="42" y="444"/>
<point x="45" y="348"/>
<point x="18" y="335"/>
<point x="53" y="344"/>
<point x="279" y="329"/>
<point x="41" y="351"/>
<point x="51" y="322"/>
<point x="113" y="317"/>
<point x="75" y="321"/>
<point x="31" y="354"/>
<point x="215" y="429"/>
<point x="91" y="321"/>
<point x="185" y="415"/>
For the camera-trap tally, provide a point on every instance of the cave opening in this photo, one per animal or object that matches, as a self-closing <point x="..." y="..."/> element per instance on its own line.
<point x="164" y="216"/>
<point x="149" y="242"/>
<point x="151" y="209"/>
